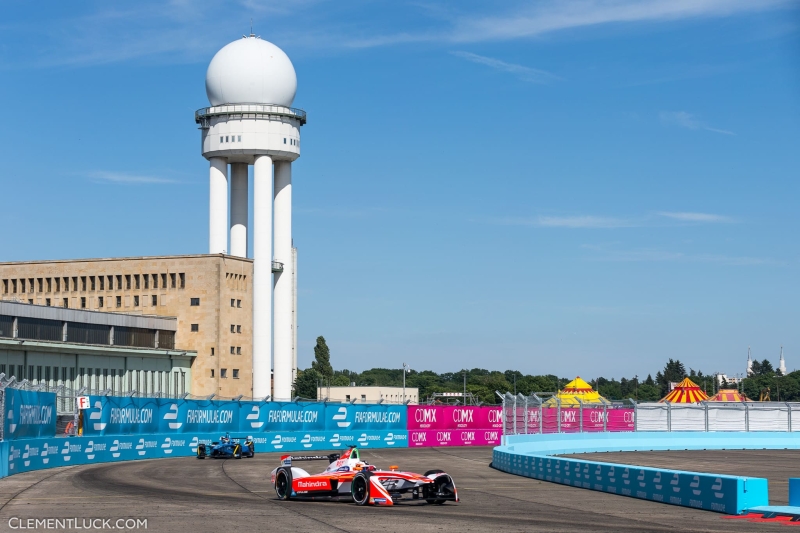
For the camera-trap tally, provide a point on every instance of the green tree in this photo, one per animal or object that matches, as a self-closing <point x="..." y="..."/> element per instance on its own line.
<point x="674" y="371"/>
<point x="322" y="359"/>
<point x="306" y="383"/>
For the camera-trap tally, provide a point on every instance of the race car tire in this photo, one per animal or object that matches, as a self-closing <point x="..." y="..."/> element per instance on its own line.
<point x="283" y="483"/>
<point x="201" y="451"/>
<point x="437" y="485"/>
<point x="360" y="488"/>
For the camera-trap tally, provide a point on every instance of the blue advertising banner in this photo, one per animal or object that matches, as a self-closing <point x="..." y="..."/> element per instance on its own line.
<point x="36" y="454"/>
<point x="114" y="415"/>
<point x="29" y="414"/>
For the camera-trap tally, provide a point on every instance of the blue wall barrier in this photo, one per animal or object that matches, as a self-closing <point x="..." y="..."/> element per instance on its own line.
<point x="35" y="454"/>
<point x="29" y="414"/>
<point x="532" y="456"/>
<point x="114" y="415"/>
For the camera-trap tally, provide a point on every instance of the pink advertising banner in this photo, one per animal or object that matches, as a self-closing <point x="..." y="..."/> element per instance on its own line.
<point x="453" y="437"/>
<point x="593" y="420"/>
<point x="454" y="417"/>
<point x="447" y="425"/>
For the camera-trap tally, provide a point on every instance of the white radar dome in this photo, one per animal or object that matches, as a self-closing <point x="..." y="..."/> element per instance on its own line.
<point x="251" y="71"/>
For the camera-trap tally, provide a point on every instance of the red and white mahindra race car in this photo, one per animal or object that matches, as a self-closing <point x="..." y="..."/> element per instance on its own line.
<point x="350" y="478"/>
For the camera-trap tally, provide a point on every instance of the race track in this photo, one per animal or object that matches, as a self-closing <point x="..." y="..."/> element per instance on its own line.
<point x="186" y="494"/>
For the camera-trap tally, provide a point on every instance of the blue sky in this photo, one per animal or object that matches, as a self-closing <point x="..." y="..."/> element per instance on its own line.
<point x="573" y="187"/>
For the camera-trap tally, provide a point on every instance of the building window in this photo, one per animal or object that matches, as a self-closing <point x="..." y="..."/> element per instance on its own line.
<point x="194" y="302"/>
<point x="212" y="351"/>
<point x="136" y="280"/>
<point x="30" y="301"/>
<point x="363" y="397"/>
<point x="74" y="283"/>
<point x="41" y="284"/>
<point x="47" y="302"/>
<point x="22" y="286"/>
<point x="163" y="281"/>
<point x="99" y="301"/>
<point x="146" y="279"/>
<point x="233" y="328"/>
<point x="239" y="138"/>
<point x="172" y="281"/>
<point x="83" y="302"/>
<point x="155" y="281"/>
<point x="66" y="302"/>
<point x="233" y="302"/>
<point x="238" y="350"/>
<point x="226" y="138"/>
<point x="233" y="350"/>
<point x="119" y="282"/>
<point x="195" y="327"/>
<point x="136" y="301"/>
<point x="238" y="303"/>
<point x="102" y="281"/>
<point x="154" y="300"/>
<point x="83" y="283"/>
<point x="238" y="329"/>
<point x="92" y="282"/>
<point x="223" y="373"/>
<point x="221" y="139"/>
<point x="284" y="140"/>
<point x="212" y="372"/>
<point x="235" y="373"/>
<point x="182" y="278"/>
<point x="119" y="301"/>
<point x="110" y="282"/>
<point x="128" y="281"/>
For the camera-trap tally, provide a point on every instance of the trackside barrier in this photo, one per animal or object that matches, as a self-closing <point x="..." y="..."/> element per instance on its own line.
<point x="712" y="492"/>
<point x="518" y="451"/>
<point x="28" y="414"/>
<point x="35" y="454"/>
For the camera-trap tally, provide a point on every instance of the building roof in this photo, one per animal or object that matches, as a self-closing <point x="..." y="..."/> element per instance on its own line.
<point x="86" y="316"/>
<point x="575" y="390"/>
<point x="139" y="258"/>
<point x="686" y="391"/>
<point x="729" y="395"/>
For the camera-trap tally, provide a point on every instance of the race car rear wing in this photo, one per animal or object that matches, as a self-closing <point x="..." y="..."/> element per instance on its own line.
<point x="286" y="460"/>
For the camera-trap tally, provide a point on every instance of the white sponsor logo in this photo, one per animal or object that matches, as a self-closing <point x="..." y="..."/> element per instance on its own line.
<point x="97" y="415"/>
<point x="35" y="415"/>
<point x="276" y="442"/>
<point x="306" y="442"/>
<point x="292" y="416"/>
<point x="377" y="417"/>
<point x="611" y="477"/>
<point x="140" y="447"/>
<point x="335" y="442"/>
<point x="208" y="416"/>
<point x="254" y="414"/>
<point x="467" y="436"/>
<point x="128" y="415"/>
<point x="641" y="478"/>
<point x="26" y="455"/>
<point x="694" y="484"/>
<point x="427" y="416"/>
<point x="114" y="449"/>
<point x="490" y="436"/>
<point x="340" y="417"/>
<point x="45" y="452"/>
<point x="193" y="444"/>
<point x="462" y="416"/>
<point x="65" y="452"/>
<point x="389" y="440"/>
<point x="364" y="439"/>
<point x="172" y="414"/>
<point x="675" y="479"/>
<point x="311" y="484"/>
<point x="167" y="446"/>
<point x="90" y="450"/>
<point x="11" y="425"/>
<point x="418" y="436"/>
<point x="657" y="481"/>
<point x="718" y="486"/>
<point x="443" y="436"/>
<point x="495" y="416"/>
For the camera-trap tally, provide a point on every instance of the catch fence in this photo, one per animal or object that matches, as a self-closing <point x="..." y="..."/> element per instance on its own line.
<point x="547" y="413"/>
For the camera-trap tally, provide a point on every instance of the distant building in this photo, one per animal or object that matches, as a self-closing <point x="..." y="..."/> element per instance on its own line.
<point x="369" y="394"/>
<point x="53" y="346"/>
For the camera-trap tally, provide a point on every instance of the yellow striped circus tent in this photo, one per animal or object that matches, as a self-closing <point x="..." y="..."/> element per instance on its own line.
<point x="685" y="392"/>
<point x="729" y="395"/>
<point x="574" y="390"/>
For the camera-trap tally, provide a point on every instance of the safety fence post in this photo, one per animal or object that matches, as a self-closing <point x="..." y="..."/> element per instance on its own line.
<point x="515" y="415"/>
<point x="605" y="417"/>
<point x="669" y="416"/>
<point x="789" y="416"/>
<point x="558" y="403"/>
<point x="706" y="407"/>
<point x="746" y="417"/>
<point x="580" y="415"/>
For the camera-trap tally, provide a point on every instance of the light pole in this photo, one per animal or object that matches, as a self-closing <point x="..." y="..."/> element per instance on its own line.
<point x="406" y="368"/>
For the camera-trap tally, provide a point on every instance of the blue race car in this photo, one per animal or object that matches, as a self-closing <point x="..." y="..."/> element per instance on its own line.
<point x="228" y="448"/>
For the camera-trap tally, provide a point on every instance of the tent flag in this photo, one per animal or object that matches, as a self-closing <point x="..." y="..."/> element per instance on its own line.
<point x="685" y="392"/>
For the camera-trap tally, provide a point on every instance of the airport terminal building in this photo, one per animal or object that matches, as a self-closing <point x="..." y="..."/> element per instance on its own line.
<point x="197" y="305"/>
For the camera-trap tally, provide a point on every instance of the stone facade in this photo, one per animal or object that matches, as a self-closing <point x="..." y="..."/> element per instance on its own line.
<point x="211" y="296"/>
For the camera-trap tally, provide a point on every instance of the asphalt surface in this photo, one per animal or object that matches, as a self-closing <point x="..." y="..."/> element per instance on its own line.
<point x="186" y="494"/>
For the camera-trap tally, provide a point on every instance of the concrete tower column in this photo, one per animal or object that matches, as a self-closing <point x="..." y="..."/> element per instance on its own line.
<point x="262" y="276"/>
<point x="282" y="364"/>
<point x="239" y="209"/>
<point x="218" y="206"/>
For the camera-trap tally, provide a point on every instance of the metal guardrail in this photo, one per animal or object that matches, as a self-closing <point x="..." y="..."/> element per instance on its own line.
<point x="203" y="116"/>
<point x="538" y="413"/>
